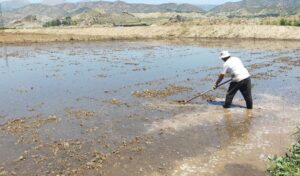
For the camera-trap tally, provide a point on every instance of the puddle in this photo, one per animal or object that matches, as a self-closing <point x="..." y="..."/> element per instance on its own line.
<point x="110" y="108"/>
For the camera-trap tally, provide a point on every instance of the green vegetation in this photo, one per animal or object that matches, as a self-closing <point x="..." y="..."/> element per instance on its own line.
<point x="288" y="165"/>
<point x="3" y="28"/>
<point x="289" y="22"/>
<point x="283" y="22"/>
<point x="64" y="22"/>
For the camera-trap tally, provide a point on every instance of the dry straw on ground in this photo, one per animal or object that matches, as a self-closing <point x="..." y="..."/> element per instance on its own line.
<point x="180" y="30"/>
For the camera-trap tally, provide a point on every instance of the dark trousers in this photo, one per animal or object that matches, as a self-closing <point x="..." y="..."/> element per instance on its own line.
<point x="244" y="87"/>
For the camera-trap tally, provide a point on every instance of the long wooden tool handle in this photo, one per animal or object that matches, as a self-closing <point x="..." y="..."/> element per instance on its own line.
<point x="209" y="90"/>
<point x="224" y="83"/>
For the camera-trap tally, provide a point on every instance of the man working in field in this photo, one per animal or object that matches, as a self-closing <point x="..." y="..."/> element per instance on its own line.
<point x="240" y="79"/>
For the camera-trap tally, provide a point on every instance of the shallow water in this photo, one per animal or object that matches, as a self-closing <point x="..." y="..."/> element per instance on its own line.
<point x="72" y="108"/>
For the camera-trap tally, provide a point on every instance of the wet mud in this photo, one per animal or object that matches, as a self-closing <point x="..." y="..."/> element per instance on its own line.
<point x="110" y="108"/>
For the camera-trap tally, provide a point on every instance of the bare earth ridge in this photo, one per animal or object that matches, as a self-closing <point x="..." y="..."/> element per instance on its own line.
<point x="152" y="32"/>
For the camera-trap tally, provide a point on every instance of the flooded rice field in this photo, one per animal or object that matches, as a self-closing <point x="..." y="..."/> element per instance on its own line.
<point x="109" y="108"/>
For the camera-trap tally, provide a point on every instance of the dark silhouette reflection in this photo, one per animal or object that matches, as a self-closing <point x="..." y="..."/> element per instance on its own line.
<point x="4" y="50"/>
<point x="6" y="62"/>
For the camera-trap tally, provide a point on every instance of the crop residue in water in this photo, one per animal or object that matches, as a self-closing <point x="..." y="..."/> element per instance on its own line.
<point x="162" y="93"/>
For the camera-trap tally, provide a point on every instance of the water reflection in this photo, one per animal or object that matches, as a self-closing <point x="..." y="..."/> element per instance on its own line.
<point x="238" y="126"/>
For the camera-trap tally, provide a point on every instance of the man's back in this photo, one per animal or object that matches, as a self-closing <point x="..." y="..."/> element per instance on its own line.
<point x="235" y="67"/>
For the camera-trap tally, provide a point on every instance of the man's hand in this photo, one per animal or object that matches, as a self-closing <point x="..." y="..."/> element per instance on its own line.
<point x="215" y="87"/>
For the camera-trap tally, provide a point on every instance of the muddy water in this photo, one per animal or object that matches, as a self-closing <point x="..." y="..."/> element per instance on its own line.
<point x="109" y="108"/>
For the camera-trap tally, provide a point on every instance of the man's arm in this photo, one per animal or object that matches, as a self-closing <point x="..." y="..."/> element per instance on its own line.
<point x="220" y="79"/>
<point x="221" y="76"/>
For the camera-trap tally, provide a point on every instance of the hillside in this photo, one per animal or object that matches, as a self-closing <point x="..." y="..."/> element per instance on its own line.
<point x="119" y="13"/>
<point x="120" y="6"/>
<point x="94" y="12"/>
<point x="53" y="2"/>
<point x="257" y="8"/>
<point x="41" y="12"/>
<point x="207" y="7"/>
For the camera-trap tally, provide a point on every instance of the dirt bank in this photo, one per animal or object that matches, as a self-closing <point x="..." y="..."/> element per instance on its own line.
<point x="152" y="32"/>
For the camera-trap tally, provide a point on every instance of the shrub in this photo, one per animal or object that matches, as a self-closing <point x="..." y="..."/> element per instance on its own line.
<point x="288" y="165"/>
<point x="65" y="22"/>
<point x="296" y="23"/>
<point x="282" y="22"/>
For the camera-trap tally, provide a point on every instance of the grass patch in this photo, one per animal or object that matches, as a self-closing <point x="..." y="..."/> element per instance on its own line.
<point x="288" y="165"/>
<point x="282" y="22"/>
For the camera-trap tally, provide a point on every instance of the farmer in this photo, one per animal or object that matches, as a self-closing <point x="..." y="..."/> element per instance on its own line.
<point x="240" y="79"/>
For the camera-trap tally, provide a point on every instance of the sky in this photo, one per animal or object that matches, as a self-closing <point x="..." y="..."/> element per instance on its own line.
<point x="162" y="1"/>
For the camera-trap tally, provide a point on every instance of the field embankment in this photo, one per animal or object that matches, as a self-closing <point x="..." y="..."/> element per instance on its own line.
<point x="180" y="30"/>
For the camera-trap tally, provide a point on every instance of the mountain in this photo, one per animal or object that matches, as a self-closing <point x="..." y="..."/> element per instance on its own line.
<point x="206" y="7"/>
<point x="91" y="12"/>
<point x="13" y="4"/>
<point x="46" y="8"/>
<point x="41" y="12"/>
<point x="53" y="2"/>
<point x="257" y="8"/>
<point x="120" y="6"/>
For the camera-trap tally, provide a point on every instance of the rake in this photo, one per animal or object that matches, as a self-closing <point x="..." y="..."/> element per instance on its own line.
<point x="201" y="94"/>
